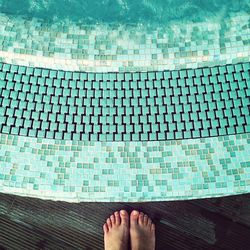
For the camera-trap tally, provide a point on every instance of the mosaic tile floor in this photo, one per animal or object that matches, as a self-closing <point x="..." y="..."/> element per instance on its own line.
<point x="114" y="155"/>
<point x="77" y="171"/>
<point x="149" y="106"/>
<point x="123" y="112"/>
<point x="123" y="48"/>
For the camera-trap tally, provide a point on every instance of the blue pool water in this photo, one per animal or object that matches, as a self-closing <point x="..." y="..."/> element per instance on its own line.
<point x="124" y="11"/>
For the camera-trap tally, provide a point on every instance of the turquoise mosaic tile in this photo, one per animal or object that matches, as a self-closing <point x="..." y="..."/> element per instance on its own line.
<point x="125" y="106"/>
<point x="125" y="112"/>
<point x="76" y="171"/>
<point x="123" y="48"/>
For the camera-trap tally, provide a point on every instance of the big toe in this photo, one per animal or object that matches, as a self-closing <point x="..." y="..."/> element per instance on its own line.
<point x="134" y="218"/>
<point x="124" y="217"/>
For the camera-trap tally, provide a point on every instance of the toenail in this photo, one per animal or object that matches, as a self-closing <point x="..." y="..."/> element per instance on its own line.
<point x="135" y="212"/>
<point x="123" y="212"/>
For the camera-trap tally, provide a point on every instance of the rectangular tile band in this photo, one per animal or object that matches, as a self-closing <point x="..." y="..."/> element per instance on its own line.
<point x="150" y="106"/>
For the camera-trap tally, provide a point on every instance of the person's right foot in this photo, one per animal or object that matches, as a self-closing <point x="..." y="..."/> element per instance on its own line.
<point x="116" y="231"/>
<point x="142" y="231"/>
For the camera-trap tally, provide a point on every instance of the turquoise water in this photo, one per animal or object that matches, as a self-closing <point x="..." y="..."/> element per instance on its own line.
<point x="124" y="11"/>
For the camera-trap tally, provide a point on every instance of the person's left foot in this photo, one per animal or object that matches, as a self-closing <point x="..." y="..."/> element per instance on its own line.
<point x="116" y="231"/>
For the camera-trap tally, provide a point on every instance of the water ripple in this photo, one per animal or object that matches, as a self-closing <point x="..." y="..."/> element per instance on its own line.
<point x="124" y="11"/>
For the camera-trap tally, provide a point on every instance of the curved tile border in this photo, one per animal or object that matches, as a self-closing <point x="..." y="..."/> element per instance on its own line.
<point x="123" y="48"/>
<point x="76" y="171"/>
<point x="125" y="106"/>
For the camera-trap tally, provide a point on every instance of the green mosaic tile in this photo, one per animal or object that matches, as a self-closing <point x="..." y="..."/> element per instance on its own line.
<point x="76" y="169"/>
<point x="125" y="171"/>
<point x="199" y="106"/>
<point x="203" y="43"/>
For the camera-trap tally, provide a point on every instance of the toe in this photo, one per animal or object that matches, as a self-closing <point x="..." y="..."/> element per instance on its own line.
<point x="112" y="218"/>
<point x="153" y="228"/>
<point x="117" y="218"/>
<point x="109" y="223"/>
<point x="149" y="222"/>
<point x="124" y="217"/>
<point x="141" y="218"/>
<point x="105" y="228"/>
<point x="145" y="220"/>
<point x="134" y="217"/>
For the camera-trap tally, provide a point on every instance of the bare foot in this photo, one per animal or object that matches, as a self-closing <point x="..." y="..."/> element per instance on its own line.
<point x="142" y="231"/>
<point x="116" y="231"/>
